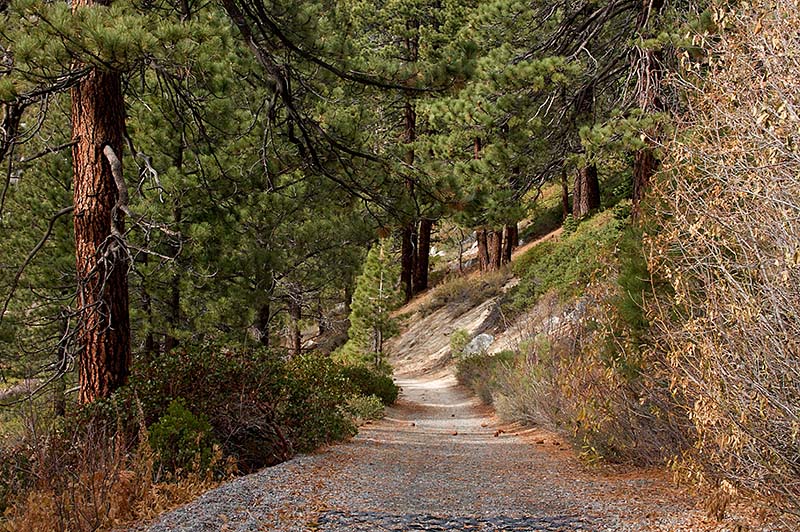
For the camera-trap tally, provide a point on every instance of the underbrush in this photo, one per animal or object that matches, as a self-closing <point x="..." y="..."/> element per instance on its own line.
<point x="463" y="293"/>
<point x="185" y="421"/>
<point x="564" y="265"/>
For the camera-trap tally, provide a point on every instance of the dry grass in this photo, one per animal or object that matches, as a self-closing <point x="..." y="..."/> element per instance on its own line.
<point x="462" y="293"/>
<point x="92" y="481"/>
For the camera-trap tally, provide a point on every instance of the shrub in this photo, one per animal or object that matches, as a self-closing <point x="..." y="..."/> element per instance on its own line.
<point x="480" y="372"/>
<point x="181" y="439"/>
<point x="459" y="339"/>
<point x="260" y="408"/>
<point x="570" y="224"/>
<point x="370" y="382"/>
<point x="565" y="265"/>
<point x="360" y="408"/>
<point x="729" y="245"/>
<point x="317" y="389"/>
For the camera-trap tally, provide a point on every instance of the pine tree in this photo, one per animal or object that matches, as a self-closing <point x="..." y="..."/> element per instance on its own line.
<point x="374" y="298"/>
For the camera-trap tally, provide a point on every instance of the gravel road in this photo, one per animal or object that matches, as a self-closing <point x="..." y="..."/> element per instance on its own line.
<point x="438" y="461"/>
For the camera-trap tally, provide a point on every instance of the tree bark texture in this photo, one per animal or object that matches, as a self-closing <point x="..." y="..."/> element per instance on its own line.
<point x="423" y="255"/>
<point x="102" y="265"/>
<point x="650" y="75"/>
<point x="262" y="323"/>
<point x="586" y="192"/>
<point x="483" y="249"/>
<point x="407" y="254"/>
<point x="645" y="166"/>
<point x="494" y="240"/>
<point x="510" y="241"/>
<point x="408" y="250"/>
<point x="174" y="308"/>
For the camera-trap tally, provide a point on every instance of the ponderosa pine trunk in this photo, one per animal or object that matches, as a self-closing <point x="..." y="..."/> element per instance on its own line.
<point x="262" y="324"/>
<point x="423" y="255"/>
<point x="564" y="194"/>
<point x="645" y="166"/>
<point x="407" y="256"/>
<point x="408" y="248"/>
<point x="103" y="334"/>
<point x="586" y="192"/>
<point x="174" y="305"/>
<point x="494" y="240"/>
<point x="510" y="241"/>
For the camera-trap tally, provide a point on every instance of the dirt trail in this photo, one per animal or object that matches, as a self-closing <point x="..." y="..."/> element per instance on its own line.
<point x="438" y="461"/>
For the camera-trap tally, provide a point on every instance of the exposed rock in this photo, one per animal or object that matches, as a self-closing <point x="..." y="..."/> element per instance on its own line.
<point x="479" y="344"/>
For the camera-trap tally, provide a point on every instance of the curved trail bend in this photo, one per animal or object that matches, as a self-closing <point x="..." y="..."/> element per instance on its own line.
<point x="438" y="461"/>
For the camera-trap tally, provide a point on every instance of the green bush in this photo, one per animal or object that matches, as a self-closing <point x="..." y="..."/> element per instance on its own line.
<point x="261" y="409"/>
<point x="181" y="439"/>
<point x="370" y="382"/>
<point x="317" y="388"/>
<point x="459" y="339"/>
<point x="570" y="224"/>
<point x="360" y="408"/>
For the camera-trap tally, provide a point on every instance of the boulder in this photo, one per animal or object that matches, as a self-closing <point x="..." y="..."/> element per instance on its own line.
<point x="479" y="344"/>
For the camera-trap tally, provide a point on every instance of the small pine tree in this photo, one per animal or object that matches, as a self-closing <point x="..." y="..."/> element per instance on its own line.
<point x="374" y="297"/>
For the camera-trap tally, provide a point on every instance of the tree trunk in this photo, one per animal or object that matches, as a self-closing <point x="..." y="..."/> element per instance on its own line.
<point x="295" y="334"/>
<point x="564" y="194"/>
<point x="407" y="255"/>
<point x="510" y="241"/>
<point x="495" y="245"/>
<point x="409" y="240"/>
<point x="348" y="296"/>
<point x="645" y="166"/>
<point x="586" y="193"/>
<point x="147" y="307"/>
<point x="60" y="384"/>
<point x="322" y="324"/>
<point x="12" y="114"/>
<point x="262" y="323"/>
<point x="483" y="249"/>
<point x="423" y="255"/>
<point x="102" y="266"/>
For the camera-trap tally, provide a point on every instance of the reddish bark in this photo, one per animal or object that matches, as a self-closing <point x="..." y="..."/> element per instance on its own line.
<point x="101" y="260"/>
<point x="510" y="241"/>
<point x="483" y="249"/>
<point x="586" y="192"/>
<point x="495" y="244"/>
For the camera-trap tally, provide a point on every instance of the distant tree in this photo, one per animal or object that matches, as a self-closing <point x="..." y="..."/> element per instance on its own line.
<point x="375" y="296"/>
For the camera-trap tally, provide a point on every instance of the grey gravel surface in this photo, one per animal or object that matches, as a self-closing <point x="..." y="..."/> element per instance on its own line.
<point x="438" y="461"/>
